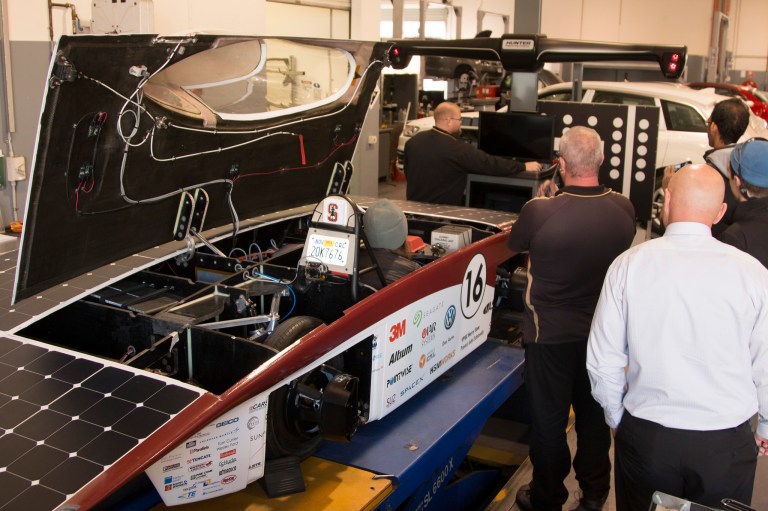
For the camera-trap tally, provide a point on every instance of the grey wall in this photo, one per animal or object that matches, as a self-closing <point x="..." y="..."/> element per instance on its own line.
<point x="527" y="17"/>
<point x="29" y="61"/>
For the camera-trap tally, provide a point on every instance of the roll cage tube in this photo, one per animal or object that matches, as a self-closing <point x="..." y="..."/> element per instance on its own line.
<point x="529" y="52"/>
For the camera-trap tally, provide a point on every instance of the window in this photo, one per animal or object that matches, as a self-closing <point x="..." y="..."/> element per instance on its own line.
<point x="556" y="96"/>
<point x="723" y="91"/>
<point x="681" y="117"/>
<point x="253" y="79"/>
<point x="620" y="98"/>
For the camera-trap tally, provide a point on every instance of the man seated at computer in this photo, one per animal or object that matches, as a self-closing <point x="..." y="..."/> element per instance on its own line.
<point x="386" y="229"/>
<point x="437" y="161"/>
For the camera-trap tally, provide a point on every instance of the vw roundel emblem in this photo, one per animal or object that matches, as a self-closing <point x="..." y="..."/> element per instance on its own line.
<point x="450" y="317"/>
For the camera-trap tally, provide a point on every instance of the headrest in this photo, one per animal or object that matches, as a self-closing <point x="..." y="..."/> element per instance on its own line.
<point x="385" y="225"/>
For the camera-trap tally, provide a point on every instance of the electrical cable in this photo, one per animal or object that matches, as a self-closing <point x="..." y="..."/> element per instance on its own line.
<point x="138" y="95"/>
<point x="261" y="255"/>
<point x="245" y="254"/>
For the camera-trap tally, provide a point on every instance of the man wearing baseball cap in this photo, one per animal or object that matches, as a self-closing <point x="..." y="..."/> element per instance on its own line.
<point x="749" y="184"/>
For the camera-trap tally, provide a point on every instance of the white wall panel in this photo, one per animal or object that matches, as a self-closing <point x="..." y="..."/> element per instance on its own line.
<point x="28" y="20"/>
<point x="297" y="20"/>
<point x="222" y="16"/>
<point x="365" y="20"/>
<point x="469" y="14"/>
<point x="600" y="20"/>
<point x="340" y="24"/>
<point x="749" y="36"/>
<point x="562" y="18"/>
<point x="664" y="22"/>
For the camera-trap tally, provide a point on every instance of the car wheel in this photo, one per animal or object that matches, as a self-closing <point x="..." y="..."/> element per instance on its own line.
<point x="657" y="226"/>
<point x="290" y="431"/>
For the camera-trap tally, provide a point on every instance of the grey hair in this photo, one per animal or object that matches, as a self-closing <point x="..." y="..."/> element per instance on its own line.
<point x="582" y="150"/>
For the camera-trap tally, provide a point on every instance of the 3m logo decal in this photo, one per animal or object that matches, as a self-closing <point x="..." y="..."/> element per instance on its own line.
<point x="396" y="331"/>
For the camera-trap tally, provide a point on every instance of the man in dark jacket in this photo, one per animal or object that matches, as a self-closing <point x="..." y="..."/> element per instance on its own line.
<point x="726" y="124"/>
<point x="437" y="161"/>
<point x="749" y="184"/>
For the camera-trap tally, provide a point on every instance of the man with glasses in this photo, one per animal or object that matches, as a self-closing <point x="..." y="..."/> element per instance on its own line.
<point x="437" y="161"/>
<point x="728" y="122"/>
<point x="749" y="184"/>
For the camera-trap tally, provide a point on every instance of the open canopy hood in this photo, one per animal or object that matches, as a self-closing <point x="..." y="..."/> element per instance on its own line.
<point x="132" y="126"/>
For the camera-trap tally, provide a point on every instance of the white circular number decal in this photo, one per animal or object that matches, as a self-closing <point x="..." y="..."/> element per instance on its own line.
<point x="473" y="286"/>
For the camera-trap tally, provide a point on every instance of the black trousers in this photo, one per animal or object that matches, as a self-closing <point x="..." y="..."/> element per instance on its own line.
<point x="701" y="466"/>
<point x="556" y="378"/>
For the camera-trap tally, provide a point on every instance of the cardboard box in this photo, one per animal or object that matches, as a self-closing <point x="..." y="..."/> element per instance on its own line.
<point x="452" y="237"/>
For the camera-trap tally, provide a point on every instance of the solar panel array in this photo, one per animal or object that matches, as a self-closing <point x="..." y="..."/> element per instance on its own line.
<point x="65" y="419"/>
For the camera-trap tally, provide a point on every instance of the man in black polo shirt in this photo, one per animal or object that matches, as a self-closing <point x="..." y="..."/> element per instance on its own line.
<point x="571" y="240"/>
<point x="437" y="162"/>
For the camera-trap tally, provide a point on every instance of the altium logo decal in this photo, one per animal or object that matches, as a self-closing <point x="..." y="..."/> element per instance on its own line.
<point x="399" y="354"/>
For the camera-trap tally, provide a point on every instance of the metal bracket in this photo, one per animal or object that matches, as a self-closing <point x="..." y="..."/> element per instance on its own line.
<point x="191" y="214"/>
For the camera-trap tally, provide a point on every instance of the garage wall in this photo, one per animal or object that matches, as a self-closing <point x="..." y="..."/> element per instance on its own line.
<point x="749" y="37"/>
<point x="645" y="21"/>
<point x="305" y="21"/>
<point x="686" y="22"/>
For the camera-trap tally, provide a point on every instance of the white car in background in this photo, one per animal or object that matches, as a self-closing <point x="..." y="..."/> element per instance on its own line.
<point x="684" y="112"/>
<point x="682" y="123"/>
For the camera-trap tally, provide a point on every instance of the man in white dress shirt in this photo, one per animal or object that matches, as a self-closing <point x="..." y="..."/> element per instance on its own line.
<point x="678" y="356"/>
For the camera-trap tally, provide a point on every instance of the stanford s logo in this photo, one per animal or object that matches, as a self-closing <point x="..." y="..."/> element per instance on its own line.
<point x="333" y="213"/>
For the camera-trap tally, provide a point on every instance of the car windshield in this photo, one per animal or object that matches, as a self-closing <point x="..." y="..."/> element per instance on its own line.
<point x="622" y="98"/>
<point x="556" y="96"/>
<point x="253" y="79"/>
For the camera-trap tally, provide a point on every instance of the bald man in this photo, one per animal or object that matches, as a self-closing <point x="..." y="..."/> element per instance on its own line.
<point x="437" y="161"/>
<point x="678" y="356"/>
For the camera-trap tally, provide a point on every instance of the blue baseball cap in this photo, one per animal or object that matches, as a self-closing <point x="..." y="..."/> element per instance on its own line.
<point x="750" y="162"/>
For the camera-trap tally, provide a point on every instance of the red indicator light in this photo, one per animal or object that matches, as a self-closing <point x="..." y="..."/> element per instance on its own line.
<point x="396" y="52"/>
<point x="672" y="66"/>
<point x="675" y="57"/>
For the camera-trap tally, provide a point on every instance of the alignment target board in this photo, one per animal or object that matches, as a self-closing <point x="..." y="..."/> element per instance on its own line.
<point x="629" y="135"/>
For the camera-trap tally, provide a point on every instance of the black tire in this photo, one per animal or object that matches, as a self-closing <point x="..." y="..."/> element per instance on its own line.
<point x="657" y="226"/>
<point x="287" y="434"/>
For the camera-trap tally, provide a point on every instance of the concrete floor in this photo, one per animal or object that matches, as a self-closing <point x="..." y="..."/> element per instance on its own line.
<point x="505" y="501"/>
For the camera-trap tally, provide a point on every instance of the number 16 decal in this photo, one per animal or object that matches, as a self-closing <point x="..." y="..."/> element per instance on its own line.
<point x="473" y="286"/>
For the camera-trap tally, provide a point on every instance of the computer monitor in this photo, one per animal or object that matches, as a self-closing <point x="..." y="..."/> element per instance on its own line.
<point x="522" y="135"/>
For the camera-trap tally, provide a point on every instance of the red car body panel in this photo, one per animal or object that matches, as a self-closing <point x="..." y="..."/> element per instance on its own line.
<point x="757" y="105"/>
